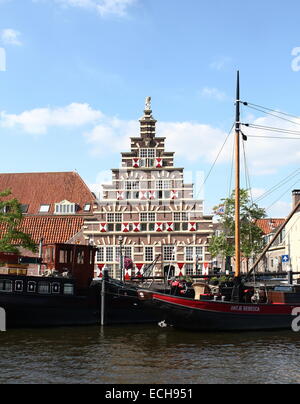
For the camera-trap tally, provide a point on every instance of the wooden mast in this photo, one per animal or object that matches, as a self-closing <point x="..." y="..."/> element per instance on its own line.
<point x="237" y="182"/>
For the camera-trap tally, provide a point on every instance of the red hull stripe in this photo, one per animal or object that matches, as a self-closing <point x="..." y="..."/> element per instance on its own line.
<point x="227" y="307"/>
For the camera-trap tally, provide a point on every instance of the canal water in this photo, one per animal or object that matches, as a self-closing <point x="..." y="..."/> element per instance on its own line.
<point x="147" y="354"/>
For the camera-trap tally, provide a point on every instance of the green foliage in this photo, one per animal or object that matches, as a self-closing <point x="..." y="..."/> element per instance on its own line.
<point x="251" y="235"/>
<point x="10" y="221"/>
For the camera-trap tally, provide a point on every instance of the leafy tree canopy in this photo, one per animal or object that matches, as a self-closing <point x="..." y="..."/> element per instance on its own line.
<point x="251" y="235"/>
<point x="12" y="238"/>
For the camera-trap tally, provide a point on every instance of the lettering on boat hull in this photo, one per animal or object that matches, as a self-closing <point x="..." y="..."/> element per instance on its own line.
<point x="255" y="309"/>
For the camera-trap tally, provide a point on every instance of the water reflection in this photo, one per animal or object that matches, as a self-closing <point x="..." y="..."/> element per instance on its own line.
<point x="140" y="354"/>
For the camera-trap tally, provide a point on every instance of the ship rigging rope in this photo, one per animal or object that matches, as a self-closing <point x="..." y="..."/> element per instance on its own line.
<point x="248" y="183"/>
<point x="278" y="185"/>
<point x="271" y="129"/>
<point x="269" y="109"/>
<point x="232" y="169"/>
<point x="275" y="137"/>
<point x="285" y="192"/>
<point x="247" y="174"/>
<point x="274" y="113"/>
<point x="215" y="162"/>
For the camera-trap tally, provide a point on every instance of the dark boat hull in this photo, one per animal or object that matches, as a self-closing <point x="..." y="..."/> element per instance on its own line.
<point x="220" y="316"/>
<point x="52" y="311"/>
<point x="122" y="306"/>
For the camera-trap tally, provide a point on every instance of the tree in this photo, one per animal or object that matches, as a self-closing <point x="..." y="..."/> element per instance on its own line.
<point x="10" y="223"/>
<point x="251" y="235"/>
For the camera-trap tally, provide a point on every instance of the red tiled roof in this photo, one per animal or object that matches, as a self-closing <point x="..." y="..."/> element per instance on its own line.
<point x="269" y="226"/>
<point x="52" y="229"/>
<point x="36" y="189"/>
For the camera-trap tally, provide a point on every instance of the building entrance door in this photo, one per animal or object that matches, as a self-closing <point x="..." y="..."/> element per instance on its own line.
<point x="169" y="271"/>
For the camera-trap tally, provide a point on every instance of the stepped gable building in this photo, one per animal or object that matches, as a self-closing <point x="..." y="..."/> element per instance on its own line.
<point x="151" y="212"/>
<point x="54" y="205"/>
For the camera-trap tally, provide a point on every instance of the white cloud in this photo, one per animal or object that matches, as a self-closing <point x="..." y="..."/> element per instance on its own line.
<point x="10" y="36"/>
<point x="103" y="178"/>
<point x="220" y="63"/>
<point x="266" y="155"/>
<point x="111" y="134"/>
<point x="257" y="192"/>
<point x="213" y="93"/>
<point x="38" y="121"/>
<point x="102" y="7"/>
<point x="280" y="209"/>
<point x="192" y="141"/>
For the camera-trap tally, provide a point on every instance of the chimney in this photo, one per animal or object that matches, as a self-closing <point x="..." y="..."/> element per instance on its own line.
<point x="296" y="197"/>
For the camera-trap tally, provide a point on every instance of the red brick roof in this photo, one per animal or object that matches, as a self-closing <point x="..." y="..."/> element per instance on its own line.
<point x="269" y="226"/>
<point x="36" y="189"/>
<point x="52" y="229"/>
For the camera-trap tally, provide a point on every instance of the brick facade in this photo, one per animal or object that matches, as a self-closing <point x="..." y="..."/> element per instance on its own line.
<point x="151" y="211"/>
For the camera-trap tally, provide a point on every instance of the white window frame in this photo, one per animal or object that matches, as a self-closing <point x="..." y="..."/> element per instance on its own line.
<point x="144" y="217"/>
<point x="149" y="254"/>
<point x="100" y="254"/>
<point x="118" y="217"/>
<point x="65" y="208"/>
<point x="110" y="217"/>
<point x="114" y="217"/>
<point x="199" y="252"/>
<point x="189" y="254"/>
<point x="177" y="216"/>
<point x="132" y="185"/>
<point x="181" y="216"/>
<point x="163" y="185"/>
<point x="127" y="252"/>
<point x="149" y="217"/>
<point x="169" y="253"/>
<point x="149" y="153"/>
<point x="189" y="269"/>
<point x="109" y="253"/>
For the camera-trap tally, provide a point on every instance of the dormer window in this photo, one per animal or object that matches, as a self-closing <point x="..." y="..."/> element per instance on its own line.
<point x="65" y="208"/>
<point x="44" y="208"/>
<point x="87" y="207"/>
<point x="24" y="208"/>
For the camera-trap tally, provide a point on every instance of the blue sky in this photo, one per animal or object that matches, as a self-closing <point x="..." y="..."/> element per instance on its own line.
<point x="78" y="71"/>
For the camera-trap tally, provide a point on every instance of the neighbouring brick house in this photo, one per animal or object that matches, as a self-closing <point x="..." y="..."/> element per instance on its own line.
<point x="288" y="242"/>
<point x="272" y="260"/>
<point x="150" y="211"/>
<point x="54" y="205"/>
